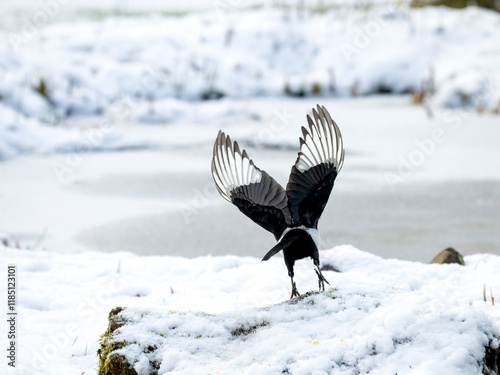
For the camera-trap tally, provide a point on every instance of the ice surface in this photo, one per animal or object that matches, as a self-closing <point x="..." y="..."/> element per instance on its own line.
<point x="163" y="200"/>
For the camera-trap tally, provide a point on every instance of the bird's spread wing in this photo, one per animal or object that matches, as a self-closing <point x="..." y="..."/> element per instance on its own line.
<point x="252" y="190"/>
<point x="319" y="161"/>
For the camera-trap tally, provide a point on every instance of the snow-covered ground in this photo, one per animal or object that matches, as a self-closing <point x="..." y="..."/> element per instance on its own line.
<point x="387" y="316"/>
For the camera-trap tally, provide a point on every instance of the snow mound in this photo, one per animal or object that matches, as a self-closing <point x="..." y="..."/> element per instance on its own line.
<point x="229" y="314"/>
<point x="401" y="317"/>
<point x="23" y="135"/>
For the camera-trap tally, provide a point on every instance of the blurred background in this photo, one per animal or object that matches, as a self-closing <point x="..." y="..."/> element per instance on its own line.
<point x="109" y="110"/>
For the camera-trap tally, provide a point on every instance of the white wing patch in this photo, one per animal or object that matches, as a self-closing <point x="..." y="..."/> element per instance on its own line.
<point x="321" y="144"/>
<point x="231" y="168"/>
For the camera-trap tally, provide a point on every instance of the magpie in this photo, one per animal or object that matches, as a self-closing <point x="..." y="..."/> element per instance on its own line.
<point x="291" y="215"/>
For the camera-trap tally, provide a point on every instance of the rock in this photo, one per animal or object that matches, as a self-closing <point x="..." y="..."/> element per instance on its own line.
<point x="448" y="255"/>
<point x="329" y="267"/>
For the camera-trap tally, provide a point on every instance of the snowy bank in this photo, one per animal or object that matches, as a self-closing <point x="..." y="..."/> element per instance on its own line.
<point x="158" y="70"/>
<point x="23" y="135"/>
<point x="87" y="67"/>
<point x="20" y="134"/>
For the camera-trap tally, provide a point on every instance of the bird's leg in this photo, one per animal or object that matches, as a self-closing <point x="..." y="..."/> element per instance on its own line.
<point x="295" y="292"/>
<point x="321" y="279"/>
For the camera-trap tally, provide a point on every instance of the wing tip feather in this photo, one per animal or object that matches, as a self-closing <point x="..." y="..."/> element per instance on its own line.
<point x="322" y="138"/>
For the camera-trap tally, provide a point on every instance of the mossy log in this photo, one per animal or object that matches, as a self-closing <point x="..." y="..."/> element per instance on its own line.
<point x="110" y="362"/>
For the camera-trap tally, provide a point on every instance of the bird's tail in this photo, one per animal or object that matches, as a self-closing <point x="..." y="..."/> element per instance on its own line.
<point x="282" y="243"/>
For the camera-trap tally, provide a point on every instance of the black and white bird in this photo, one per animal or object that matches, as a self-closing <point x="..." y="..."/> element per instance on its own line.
<point x="291" y="215"/>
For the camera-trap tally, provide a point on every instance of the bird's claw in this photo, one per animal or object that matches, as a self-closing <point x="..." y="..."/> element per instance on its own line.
<point x="321" y="280"/>
<point x="295" y="292"/>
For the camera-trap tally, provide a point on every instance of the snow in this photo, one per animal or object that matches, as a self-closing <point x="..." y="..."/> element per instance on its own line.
<point x="152" y="67"/>
<point x="21" y="135"/>
<point x="383" y="315"/>
<point x="115" y="156"/>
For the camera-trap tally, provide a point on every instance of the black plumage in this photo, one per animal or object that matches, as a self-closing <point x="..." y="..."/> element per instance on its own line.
<point x="292" y="215"/>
